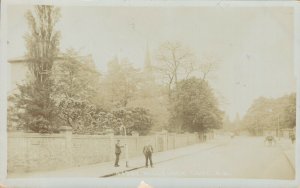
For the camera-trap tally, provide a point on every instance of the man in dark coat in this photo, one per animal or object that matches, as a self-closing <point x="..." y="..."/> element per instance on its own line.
<point x="118" y="152"/>
<point x="148" y="150"/>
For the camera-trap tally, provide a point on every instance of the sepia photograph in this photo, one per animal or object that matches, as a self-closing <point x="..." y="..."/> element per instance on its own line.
<point x="150" y="91"/>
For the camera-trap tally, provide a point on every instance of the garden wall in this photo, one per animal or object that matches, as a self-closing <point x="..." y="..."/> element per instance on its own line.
<point x="29" y="152"/>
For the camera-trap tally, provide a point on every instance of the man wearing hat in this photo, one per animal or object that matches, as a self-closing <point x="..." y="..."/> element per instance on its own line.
<point x="118" y="152"/>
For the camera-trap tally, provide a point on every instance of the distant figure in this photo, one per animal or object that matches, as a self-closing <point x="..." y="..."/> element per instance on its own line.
<point x="292" y="137"/>
<point x="148" y="150"/>
<point x="118" y="152"/>
<point x="270" y="140"/>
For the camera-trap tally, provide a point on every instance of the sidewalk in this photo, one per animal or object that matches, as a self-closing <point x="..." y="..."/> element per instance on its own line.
<point x="289" y="150"/>
<point x="107" y="169"/>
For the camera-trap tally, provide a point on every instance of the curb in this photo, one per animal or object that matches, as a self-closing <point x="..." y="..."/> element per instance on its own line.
<point x="161" y="161"/>
<point x="290" y="162"/>
<point x="288" y="158"/>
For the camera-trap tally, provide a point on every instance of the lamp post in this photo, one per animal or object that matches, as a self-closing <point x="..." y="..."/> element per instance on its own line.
<point x="126" y="145"/>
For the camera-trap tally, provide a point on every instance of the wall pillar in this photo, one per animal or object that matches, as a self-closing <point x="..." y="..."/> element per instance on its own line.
<point x="67" y="133"/>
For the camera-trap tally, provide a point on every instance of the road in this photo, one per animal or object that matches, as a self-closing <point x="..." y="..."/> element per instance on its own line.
<point x="241" y="157"/>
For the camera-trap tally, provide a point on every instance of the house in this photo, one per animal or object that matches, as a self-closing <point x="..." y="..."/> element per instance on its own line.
<point x="18" y="73"/>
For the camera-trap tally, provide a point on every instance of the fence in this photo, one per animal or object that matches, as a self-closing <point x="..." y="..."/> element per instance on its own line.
<point x="29" y="152"/>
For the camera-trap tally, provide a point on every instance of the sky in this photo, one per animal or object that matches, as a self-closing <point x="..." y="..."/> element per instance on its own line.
<point x="253" y="46"/>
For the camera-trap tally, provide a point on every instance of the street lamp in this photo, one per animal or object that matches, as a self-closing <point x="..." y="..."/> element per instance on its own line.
<point x="126" y="145"/>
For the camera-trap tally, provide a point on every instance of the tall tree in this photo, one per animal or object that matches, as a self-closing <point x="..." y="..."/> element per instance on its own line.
<point x="271" y="113"/>
<point x="289" y="117"/>
<point x="194" y="107"/>
<point x="122" y="82"/>
<point x="76" y="83"/>
<point x="175" y="62"/>
<point x="208" y="65"/>
<point x="42" y="41"/>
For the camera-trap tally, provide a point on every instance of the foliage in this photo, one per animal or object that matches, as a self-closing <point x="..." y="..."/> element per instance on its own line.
<point x="135" y="119"/>
<point x="77" y="84"/>
<point x="12" y="112"/>
<point x="289" y="111"/>
<point x="141" y="120"/>
<point x="98" y="121"/>
<point x="42" y="41"/>
<point x="66" y="89"/>
<point x="175" y="62"/>
<point x="37" y="110"/>
<point x="268" y="112"/>
<point x="208" y="66"/>
<point x="227" y="125"/>
<point x="153" y="97"/>
<point x="75" y="87"/>
<point x="158" y="109"/>
<point x="194" y="107"/>
<point x="121" y="82"/>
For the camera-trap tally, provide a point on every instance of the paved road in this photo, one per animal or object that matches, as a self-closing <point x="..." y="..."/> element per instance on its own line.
<point x="242" y="157"/>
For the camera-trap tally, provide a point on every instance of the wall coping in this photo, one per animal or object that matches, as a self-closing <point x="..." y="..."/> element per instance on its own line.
<point x="78" y="136"/>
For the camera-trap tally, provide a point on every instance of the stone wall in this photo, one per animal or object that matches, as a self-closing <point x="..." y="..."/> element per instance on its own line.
<point x="29" y="152"/>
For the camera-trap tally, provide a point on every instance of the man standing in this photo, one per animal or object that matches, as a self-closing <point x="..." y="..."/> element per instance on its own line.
<point x="292" y="137"/>
<point x="148" y="150"/>
<point x="117" y="152"/>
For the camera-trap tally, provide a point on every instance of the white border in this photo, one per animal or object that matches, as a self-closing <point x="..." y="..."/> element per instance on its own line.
<point x="133" y="182"/>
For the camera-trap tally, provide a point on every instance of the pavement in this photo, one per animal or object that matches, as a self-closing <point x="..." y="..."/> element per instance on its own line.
<point x="107" y="169"/>
<point x="240" y="158"/>
<point x="289" y="150"/>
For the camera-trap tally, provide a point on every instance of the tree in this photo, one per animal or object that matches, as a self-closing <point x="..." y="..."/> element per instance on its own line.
<point x="37" y="107"/>
<point x="195" y="107"/>
<point x="12" y="111"/>
<point x="142" y="120"/>
<point x="259" y="114"/>
<point x="271" y="113"/>
<point x="42" y="41"/>
<point x="208" y="66"/>
<point x="289" y="117"/>
<point x="121" y="82"/>
<point x="227" y="124"/>
<point x="135" y="119"/>
<point x="175" y="62"/>
<point x="158" y="109"/>
<point x="76" y="83"/>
